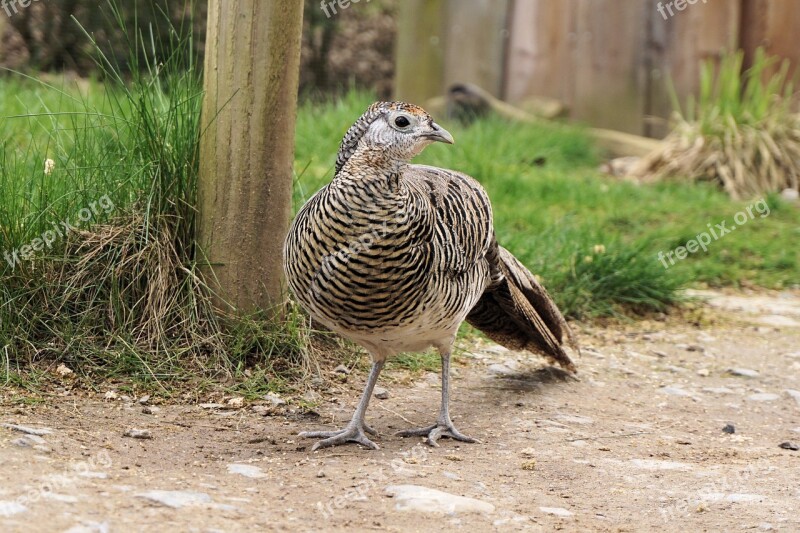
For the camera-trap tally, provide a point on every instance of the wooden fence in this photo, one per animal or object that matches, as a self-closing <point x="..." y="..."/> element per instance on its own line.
<point x="607" y="60"/>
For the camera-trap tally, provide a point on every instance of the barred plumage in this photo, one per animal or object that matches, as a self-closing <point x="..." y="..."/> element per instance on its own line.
<point x="395" y="256"/>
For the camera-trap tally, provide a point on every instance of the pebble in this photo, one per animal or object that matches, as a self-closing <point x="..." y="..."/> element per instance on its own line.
<point x="695" y="348"/>
<point x="763" y="397"/>
<point x="29" y="430"/>
<point x="704" y="372"/>
<point x="110" y="395"/>
<point x="274" y="399"/>
<point x="730" y="429"/>
<point x="144" y="399"/>
<point x="719" y="390"/>
<point x="236" y="402"/>
<point x="320" y="474"/>
<point x="789" y="446"/>
<point x="659" y="353"/>
<point x="790" y="195"/>
<point x="138" y="434"/>
<point x="341" y="369"/>
<point x="673" y="391"/>
<point x="794" y="394"/>
<point x="150" y="410"/>
<point x="423" y="499"/>
<point x="743" y="372"/>
<point x="381" y="393"/>
<point x="9" y="508"/>
<point x="556" y="511"/>
<point x="90" y="527"/>
<point x="176" y="498"/>
<point x="250" y="471"/>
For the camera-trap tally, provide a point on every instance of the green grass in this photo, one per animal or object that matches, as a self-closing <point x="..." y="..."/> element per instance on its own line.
<point x="553" y="214"/>
<point x="591" y="239"/>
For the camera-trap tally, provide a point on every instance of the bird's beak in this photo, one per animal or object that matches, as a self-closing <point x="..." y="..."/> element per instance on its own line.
<point x="440" y="134"/>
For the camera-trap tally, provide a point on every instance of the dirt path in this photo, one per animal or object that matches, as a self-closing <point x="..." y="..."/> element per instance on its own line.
<point x="636" y="445"/>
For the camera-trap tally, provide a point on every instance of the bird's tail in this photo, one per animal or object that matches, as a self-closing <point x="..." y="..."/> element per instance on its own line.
<point x="516" y="312"/>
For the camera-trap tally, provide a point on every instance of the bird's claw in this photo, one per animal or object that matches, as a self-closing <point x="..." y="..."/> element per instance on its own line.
<point x="352" y="433"/>
<point x="435" y="432"/>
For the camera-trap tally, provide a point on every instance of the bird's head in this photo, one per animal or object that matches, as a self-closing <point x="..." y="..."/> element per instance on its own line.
<point x="396" y="130"/>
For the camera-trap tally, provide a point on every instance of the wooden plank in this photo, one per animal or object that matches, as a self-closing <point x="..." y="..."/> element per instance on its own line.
<point x="677" y="45"/>
<point x="539" y="59"/>
<point x="771" y="24"/>
<point x="609" y="64"/>
<point x="419" y="64"/>
<point x="477" y="34"/>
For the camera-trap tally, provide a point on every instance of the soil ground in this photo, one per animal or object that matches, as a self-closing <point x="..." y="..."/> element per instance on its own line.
<point x="636" y="445"/>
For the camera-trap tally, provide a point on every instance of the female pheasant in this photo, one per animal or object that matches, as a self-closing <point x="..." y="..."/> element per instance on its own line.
<point x="395" y="256"/>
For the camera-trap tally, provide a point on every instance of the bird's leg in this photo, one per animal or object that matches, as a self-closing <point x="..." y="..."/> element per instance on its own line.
<point x="444" y="426"/>
<point x="355" y="430"/>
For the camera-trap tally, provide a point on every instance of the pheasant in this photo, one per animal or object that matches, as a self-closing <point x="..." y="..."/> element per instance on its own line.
<point x="395" y="256"/>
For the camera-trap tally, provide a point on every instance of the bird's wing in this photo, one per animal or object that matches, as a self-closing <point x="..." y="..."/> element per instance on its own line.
<point x="518" y="313"/>
<point x="459" y="212"/>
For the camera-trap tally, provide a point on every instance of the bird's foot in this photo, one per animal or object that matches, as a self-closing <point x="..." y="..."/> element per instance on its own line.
<point x="435" y="432"/>
<point x="351" y="433"/>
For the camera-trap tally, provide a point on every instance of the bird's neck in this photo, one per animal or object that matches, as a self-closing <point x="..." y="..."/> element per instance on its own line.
<point x="373" y="168"/>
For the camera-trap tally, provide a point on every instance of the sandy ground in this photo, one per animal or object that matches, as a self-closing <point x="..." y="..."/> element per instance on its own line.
<point x="636" y="445"/>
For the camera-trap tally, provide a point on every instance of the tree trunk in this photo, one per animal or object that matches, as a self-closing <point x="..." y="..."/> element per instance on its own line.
<point x="252" y="66"/>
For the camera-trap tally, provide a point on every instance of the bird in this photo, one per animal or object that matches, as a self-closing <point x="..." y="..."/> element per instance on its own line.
<point x="395" y="256"/>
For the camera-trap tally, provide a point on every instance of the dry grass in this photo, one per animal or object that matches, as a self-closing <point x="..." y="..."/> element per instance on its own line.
<point x="740" y="133"/>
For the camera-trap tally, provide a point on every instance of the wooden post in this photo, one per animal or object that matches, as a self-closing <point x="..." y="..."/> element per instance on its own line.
<point x="247" y="147"/>
<point x="420" y="50"/>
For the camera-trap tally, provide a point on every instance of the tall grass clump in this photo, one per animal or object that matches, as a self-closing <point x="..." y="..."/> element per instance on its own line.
<point x="119" y="294"/>
<point x="740" y="131"/>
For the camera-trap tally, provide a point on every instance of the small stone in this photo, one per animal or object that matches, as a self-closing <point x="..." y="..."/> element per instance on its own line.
<point x="673" y="391"/>
<point x="138" y="434"/>
<point x="150" y="410"/>
<point x="695" y="348"/>
<point x="743" y="372"/>
<point x="452" y="457"/>
<point x="381" y="393"/>
<point x="556" y="511"/>
<point x="250" y="471"/>
<point x="659" y="353"/>
<point x="29" y="430"/>
<point x="274" y="399"/>
<point x="794" y="394"/>
<point x="175" y="498"/>
<point x="144" y="399"/>
<point x="528" y="452"/>
<point x="763" y="397"/>
<point x="211" y="406"/>
<point x="423" y="499"/>
<point x="63" y="370"/>
<point x="8" y="508"/>
<point x="719" y="390"/>
<point x="790" y="195"/>
<point x="341" y="369"/>
<point x="110" y="395"/>
<point x="789" y="446"/>
<point x="236" y="403"/>
<point x="704" y="372"/>
<point x="529" y="465"/>
<point x="730" y="429"/>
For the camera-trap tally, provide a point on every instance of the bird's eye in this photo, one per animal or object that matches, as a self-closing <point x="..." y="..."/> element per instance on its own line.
<point x="401" y="122"/>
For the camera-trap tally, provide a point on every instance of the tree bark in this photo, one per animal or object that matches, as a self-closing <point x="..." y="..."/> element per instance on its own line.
<point x="252" y="65"/>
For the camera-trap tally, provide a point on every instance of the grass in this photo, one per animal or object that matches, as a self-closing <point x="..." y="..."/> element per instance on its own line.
<point x="120" y="301"/>
<point x="741" y="132"/>
<point x="593" y="240"/>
